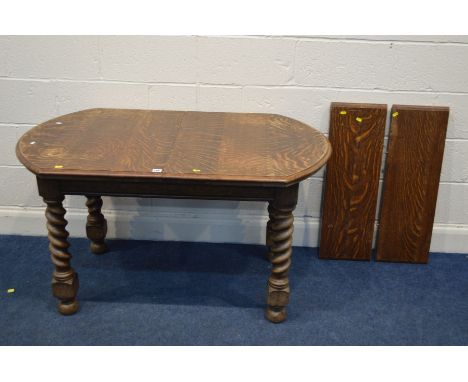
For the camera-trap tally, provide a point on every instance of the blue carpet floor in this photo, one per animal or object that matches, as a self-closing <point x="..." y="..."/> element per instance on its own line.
<point x="174" y="293"/>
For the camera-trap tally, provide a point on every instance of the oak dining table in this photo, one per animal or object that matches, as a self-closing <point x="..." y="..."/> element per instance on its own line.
<point x="171" y="154"/>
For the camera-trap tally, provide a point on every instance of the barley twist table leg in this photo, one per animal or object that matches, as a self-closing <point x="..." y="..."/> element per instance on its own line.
<point x="280" y="239"/>
<point x="65" y="280"/>
<point x="96" y="225"/>
<point x="269" y="232"/>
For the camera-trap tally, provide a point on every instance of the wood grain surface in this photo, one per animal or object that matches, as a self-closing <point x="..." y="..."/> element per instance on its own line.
<point x="414" y="161"/>
<point x="234" y="147"/>
<point x="352" y="180"/>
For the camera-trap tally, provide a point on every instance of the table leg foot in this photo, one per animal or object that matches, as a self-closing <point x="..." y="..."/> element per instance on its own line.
<point x="96" y="225"/>
<point x="278" y="299"/>
<point x="64" y="280"/>
<point x="67" y="309"/>
<point x="275" y="316"/>
<point x="65" y="287"/>
<point x="280" y="239"/>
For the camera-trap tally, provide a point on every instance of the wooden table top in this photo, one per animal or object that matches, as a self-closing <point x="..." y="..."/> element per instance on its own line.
<point x="235" y="147"/>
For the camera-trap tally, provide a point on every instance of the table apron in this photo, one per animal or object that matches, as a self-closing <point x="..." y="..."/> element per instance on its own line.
<point x="53" y="188"/>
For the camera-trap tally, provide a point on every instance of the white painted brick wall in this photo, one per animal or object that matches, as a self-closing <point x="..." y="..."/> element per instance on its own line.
<point x="382" y="65"/>
<point x="245" y="61"/>
<point x="50" y="57"/>
<point x="26" y="101"/>
<point x="149" y="59"/>
<point x="219" y="98"/>
<point x="298" y="76"/>
<point x="9" y="137"/>
<point x="73" y="96"/>
<point x="173" y="97"/>
<point x="18" y="188"/>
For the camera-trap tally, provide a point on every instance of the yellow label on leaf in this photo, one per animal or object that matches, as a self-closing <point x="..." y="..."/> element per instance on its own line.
<point x="359" y="119"/>
<point x="58" y="166"/>
<point x="395" y="114"/>
<point x="343" y="112"/>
